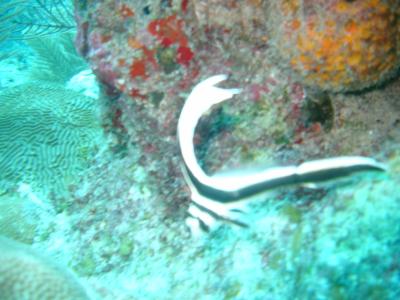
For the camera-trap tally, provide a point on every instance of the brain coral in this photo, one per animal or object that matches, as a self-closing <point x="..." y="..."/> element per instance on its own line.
<point x="337" y="45"/>
<point x="47" y="134"/>
<point x="25" y="275"/>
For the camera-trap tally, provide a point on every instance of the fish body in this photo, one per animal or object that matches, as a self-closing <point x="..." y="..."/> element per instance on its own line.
<point x="223" y="196"/>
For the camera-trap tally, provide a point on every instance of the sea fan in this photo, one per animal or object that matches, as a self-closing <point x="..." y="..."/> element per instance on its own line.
<point x="27" y="19"/>
<point x="8" y="12"/>
<point x="43" y="17"/>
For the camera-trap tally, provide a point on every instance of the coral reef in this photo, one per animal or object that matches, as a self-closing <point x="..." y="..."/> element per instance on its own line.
<point x="123" y="225"/>
<point x="329" y="243"/>
<point x="337" y="45"/>
<point x="24" y="274"/>
<point x="148" y="56"/>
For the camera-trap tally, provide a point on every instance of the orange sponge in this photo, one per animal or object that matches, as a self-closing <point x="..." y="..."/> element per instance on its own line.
<point x="337" y="45"/>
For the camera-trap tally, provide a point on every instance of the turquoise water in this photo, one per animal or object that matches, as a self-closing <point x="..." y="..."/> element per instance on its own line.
<point x="80" y="221"/>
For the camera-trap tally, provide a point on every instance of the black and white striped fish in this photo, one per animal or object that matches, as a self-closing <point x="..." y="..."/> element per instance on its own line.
<point x="224" y="196"/>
